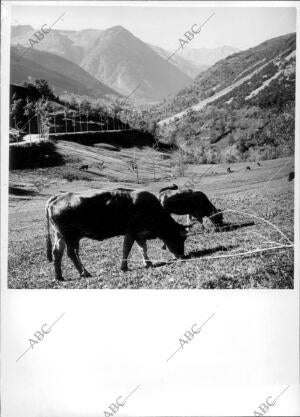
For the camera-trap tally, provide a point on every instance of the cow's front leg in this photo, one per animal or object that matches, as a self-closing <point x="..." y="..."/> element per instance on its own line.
<point x="127" y="245"/>
<point x="143" y="247"/>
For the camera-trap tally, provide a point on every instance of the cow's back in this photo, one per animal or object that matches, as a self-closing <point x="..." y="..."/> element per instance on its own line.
<point x="104" y="214"/>
<point x="188" y="202"/>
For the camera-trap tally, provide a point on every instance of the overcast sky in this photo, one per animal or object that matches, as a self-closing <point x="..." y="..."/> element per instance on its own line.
<point x="242" y="27"/>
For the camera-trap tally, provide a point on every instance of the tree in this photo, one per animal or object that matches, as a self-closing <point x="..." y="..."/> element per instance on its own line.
<point x="100" y="113"/>
<point x="42" y="113"/>
<point x="133" y="166"/>
<point x="73" y="102"/>
<point x="16" y="111"/>
<point x="152" y="128"/>
<point x="29" y="113"/>
<point x="39" y="89"/>
<point x="86" y="109"/>
<point x="44" y="90"/>
<point x="79" y="113"/>
<point x="116" y="110"/>
<point x="32" y="92"/>
<point x="211" y="155"/>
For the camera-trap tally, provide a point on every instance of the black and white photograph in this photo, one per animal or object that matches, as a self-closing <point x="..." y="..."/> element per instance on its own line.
<point x="150" y="145"/>
<point x="156" y="145"/>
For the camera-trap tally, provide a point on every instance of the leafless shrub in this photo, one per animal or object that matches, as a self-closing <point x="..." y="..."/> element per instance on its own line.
<point x="133" y="166"/>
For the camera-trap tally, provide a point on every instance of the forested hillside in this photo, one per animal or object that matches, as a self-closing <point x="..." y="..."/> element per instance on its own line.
<point x="242" y="108"/>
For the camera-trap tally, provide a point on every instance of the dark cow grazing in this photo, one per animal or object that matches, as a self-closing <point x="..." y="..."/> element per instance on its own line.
<point x="192" y="203"/>
<point x="248" y="168"/>
<point x="229" y="170"/>
<point x="136" y="214"/>
<point x="84" y="167"/>
<point x="258" y="163"/>
<point x="291" y="176"/>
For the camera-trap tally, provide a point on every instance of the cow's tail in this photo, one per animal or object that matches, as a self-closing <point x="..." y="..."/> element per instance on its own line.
<point x="48" y="237"/>
<point x="169" y="187"/>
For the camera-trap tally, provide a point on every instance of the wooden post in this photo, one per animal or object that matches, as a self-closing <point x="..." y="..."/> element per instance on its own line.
<point x="38" y="126"/>
<point x="80" y="118"/>
<point x="66" y="128"/>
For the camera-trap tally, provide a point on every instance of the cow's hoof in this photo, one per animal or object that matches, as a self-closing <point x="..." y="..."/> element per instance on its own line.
<point x="59" y="278"/>
<point x="124" y="268"/>
<point x="85" y="274"/>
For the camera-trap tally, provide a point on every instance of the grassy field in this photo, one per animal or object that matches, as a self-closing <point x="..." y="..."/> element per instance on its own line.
<point x="237" y="257"/>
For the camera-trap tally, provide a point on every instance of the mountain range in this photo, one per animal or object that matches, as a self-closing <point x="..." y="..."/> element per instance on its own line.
<point x="118" y="59"/>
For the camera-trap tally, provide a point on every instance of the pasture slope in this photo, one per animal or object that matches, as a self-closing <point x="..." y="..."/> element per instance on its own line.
<point x="238" y="257"/>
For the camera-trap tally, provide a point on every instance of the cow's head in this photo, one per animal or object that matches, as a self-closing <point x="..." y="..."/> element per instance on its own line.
<point x="175" y="241"/>
<point x="217" y="219"/>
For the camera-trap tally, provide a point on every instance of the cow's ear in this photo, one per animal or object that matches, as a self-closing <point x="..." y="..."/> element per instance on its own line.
<point x="183" y="233"/>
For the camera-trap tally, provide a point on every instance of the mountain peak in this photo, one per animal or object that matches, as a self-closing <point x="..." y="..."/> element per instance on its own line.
<point x="118" y="33"/>
<point x="20" y="30"/>
<point x="118" y="29"/>
<point x="28" y="27"/>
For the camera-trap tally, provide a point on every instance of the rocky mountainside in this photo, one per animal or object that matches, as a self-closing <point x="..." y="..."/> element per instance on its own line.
<point x="191" y="68"/>
<point x="62" y="75"/>
<point x="125" y="62"/>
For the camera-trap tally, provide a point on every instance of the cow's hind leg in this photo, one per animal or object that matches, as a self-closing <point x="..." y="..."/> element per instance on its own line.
<point x="73" y="253"/>
<point x="143" y="247"/>
<point x="127" y="245"/>
<point x="58" y="251"/>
